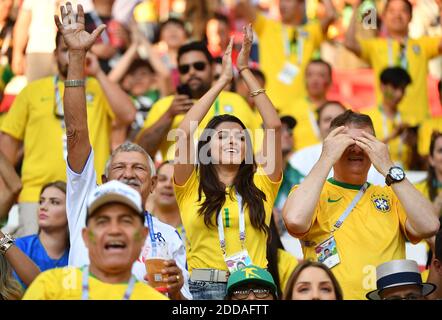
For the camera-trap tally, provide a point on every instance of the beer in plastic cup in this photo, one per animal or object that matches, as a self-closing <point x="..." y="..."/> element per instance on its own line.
<point x="155" y="263"/>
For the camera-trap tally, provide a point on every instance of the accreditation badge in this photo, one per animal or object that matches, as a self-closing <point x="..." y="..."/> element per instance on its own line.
<point x="238" y="261"/>
<point x="288" y="73"/>
<point x="327" y="253"/>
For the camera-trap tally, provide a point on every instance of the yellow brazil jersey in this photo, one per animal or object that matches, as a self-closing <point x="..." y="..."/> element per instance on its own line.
<point x="383" y="127"/>
<point x="424" y="134"/>
<point x="414" y="106"/>
<point x="203" y="247"/>
<point x="306" y="132"/>
<point x="373" y="233"/>
<point x="226" y="103"/>
<point x="273" y="49"/>
<point x="286" y="264"/>
<point x="66" y="284"/>
<point x="32" y="120"/>
<point x="422" y="186"/>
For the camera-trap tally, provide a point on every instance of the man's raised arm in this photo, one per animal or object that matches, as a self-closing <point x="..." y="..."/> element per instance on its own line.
<point x="78" y="42"/>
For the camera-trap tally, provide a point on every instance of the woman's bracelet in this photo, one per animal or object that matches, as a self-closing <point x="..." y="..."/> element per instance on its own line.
<point x="242" y="69"/>
<point x="256" y="92"/>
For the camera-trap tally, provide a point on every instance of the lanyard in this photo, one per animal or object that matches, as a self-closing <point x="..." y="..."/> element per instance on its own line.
<point x="397" y="120"/>
<point x="347" y="211"/>
<point x="242" y="228"/>
<point x="85" y="288"/>
<point x="150" y="226"/>
<point x="216" y="107"/>
<point x="97" y="22"/>
<point x="401" y="59"/>
<point x="299" y="45"/>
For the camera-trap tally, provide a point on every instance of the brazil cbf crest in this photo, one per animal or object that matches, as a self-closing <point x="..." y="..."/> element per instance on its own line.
<point x="381" y="202"/>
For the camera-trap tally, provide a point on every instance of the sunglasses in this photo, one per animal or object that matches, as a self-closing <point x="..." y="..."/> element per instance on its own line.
<point x="412" y="296"/>
<point x="242" y="294"/>
<point x="185" y="68"/>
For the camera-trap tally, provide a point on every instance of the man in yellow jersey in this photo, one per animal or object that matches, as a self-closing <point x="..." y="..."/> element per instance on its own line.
<point x="286" y="46"/>
<point x="114" y="235"/>
<point x="397" y="49"/>
<point x="388" y="124"/>
<point x="318" y="78"/>
<point x="36" y="119"/>
<point x="195" y="65"/>
<point x="362" y="225"/>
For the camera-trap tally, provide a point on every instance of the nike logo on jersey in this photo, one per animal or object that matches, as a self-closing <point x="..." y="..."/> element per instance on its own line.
<point x="331" y="200"/>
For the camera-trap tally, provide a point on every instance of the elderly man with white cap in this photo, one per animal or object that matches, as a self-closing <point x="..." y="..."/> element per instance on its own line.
<point x="114" y="234"/>
<point x="400" y="280"/>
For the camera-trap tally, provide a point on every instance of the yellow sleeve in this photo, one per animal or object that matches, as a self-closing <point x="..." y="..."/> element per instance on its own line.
<point x="269" y="187"/>
<point x="315" y="32"/>
<point x="367" y="49"/>
<point x="424" y="137"/>
<point x="158" y="109"/>
<point x="103" y="102"/>
<point x="286" y="264"/>
<point x="187" y="189"/>
<point x="45" y="287"/>
<point x="422" y="188"/>
<point x="16" y="119"/>
<point x="431" y="46"/>
<point x="260" y="23"/>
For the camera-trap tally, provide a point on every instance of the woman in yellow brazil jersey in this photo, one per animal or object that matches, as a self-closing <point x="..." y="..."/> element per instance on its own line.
<point x="431" y="187"/>
<point x="225" y="196"/>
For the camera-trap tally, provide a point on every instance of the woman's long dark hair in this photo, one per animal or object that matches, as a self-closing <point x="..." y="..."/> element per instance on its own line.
<point x="432" y="182"/>
<point x="273" y="245"/>
<point x="431" y="176"/>
<point x="214" y="189"/>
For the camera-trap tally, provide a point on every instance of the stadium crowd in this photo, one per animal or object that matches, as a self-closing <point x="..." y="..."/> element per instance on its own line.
<point x="220" y="150"/>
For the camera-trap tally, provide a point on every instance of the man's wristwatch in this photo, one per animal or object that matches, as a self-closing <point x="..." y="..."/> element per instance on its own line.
<point x="394" y="175"/>
<point x="6" y="242"/>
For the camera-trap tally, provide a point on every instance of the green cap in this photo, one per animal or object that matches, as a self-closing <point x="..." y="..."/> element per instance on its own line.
<point x="251" y="274"/>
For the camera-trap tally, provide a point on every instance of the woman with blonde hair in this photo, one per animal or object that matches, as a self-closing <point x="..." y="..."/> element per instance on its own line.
<point x="10" y="289"/>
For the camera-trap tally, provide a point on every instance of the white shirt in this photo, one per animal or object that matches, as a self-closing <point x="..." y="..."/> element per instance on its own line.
<point x="42" y="29"/>
<point x="306" y="158"/>
<point x="79" y="186"/>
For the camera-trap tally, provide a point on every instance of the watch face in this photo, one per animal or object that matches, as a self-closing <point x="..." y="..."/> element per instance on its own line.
<point x="397" y="173"/>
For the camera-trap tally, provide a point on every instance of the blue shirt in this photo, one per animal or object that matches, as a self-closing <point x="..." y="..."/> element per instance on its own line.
<point x="34" y="249"/>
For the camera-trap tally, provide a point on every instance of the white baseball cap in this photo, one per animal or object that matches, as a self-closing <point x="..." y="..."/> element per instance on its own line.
<point x="114" y="191"/>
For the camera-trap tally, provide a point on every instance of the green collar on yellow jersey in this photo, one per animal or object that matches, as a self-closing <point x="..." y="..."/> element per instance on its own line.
<point x="345" y="185"/>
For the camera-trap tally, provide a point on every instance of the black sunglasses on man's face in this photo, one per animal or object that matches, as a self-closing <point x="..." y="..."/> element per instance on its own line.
<point x="185" y="68"/>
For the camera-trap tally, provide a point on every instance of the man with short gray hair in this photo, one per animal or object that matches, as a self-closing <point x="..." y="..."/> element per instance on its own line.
<point x="129" y="164"/>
